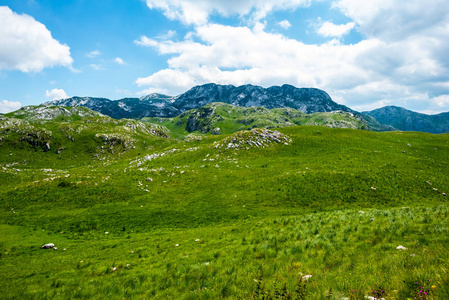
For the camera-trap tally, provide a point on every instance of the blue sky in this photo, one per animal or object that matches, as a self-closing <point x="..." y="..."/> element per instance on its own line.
<point x="365" y="54"/>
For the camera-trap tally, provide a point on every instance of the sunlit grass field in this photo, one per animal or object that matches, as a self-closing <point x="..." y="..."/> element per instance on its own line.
<point x="170" y="219"/>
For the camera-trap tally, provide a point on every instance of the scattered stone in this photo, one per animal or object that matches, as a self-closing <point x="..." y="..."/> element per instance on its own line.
<point x="305" y="277"/>
<point x="177" y="245"/>
<point x="372" y="219"/>
<point x="401" y="248"/>
<point x="55" y="248"/>
<point x="197" y="240"/>
<point x="435" y="189"/>
<point x="444" y="194"/>
<point x="428" y="182"/>
<point x="48" y="246"/>
<point x="46" y="147"/>
<point x="257" y="138"/>
<point x="373" y="188"/>
<point x="106" y="232"/>
<point x="362" y="212"/>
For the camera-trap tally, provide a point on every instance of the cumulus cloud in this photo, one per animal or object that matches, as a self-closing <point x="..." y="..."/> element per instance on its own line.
<point x="356" y="75"/>
<point x="9" y="106"/>
<point x="198" y="11"/>
<point x="329" y="29"/>
<point x="239" y="55"/>
<point x="119" y="61"/>
<point x="27" y="45"/>
<point x="401" y="60"/>
<point x="93" y="54"/>
<point x="56" y="94"/>
<point x="285" y="24"/>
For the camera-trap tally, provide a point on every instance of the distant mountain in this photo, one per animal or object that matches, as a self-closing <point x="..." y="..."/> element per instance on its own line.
<point x="308" y="100"/>
<point x="407" y="120"/>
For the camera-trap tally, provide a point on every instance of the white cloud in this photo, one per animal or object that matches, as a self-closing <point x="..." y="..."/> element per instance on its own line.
<point x="27" y="45"/>
<point x="119" y="61"/>
<point x="255" y="56"/>
<point x="95" y="67"/>
<point x="56" y="94"/>
<point x="9" y="106"/>
<point x="168" y="35"/>
<point x="402" y="59"/>
<point x="328" y="29"/>
<point x="198" y="11"/>
<point x="144" y="41"/>
<point x="393" y="20"/>
<point x="285" y="24"/>
<point x="356" y="75"/>
<point x="93" y="54"/>
<point x="442" y="101"/>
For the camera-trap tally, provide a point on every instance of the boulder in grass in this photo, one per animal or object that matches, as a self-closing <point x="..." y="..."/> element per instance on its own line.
<point x="305" y="277"/>
<point x="48" y="246"/>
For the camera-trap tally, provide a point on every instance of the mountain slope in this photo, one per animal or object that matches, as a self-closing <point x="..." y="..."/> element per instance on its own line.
<point x="154" y="105"/>
<point x="52" y="113"/>
<point x="308" y="100"/>
<point x="72" y="130"/>
<point x="407" y="120"/>
<point x="222" y="118"/>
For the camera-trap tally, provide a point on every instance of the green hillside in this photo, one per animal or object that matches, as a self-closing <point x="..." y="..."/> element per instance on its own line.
<point x="135" y="213"/>
<point x="222" y="118"/>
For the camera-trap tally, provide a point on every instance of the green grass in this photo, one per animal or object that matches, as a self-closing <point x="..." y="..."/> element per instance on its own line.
<point x="269" y="213"/>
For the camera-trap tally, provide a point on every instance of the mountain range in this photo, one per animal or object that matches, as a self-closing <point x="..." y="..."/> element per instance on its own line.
<point x="307" y="100"/>
<point x="407" y="120"/>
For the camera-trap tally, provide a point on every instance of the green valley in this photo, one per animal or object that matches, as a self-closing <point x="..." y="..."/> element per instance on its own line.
<point x="259" y="209"/>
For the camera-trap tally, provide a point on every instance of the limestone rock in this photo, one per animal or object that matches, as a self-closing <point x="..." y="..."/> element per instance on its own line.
<point x="48" y="246"/>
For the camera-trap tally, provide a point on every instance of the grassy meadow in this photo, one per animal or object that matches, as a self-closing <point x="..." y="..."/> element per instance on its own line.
<point x="173" y="219"/>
